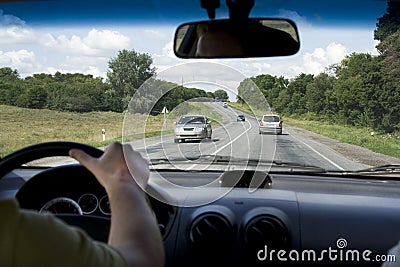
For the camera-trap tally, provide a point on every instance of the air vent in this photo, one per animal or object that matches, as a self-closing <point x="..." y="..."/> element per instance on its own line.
<point x="211" y="232"/>
<point x="266" y="230"/>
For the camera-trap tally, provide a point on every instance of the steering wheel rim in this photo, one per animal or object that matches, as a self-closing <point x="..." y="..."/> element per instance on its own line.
<point x="42" y="150"/>
<point x="96" y="227"/>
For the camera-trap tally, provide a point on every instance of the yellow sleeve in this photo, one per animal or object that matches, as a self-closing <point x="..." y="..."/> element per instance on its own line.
<point x="44" y="240"/>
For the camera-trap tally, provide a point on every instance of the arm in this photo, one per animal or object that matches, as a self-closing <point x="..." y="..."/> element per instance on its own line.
<point x="134" y="231"/>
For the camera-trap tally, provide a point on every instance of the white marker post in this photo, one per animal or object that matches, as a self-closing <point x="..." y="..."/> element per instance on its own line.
<point x="164" y="111"/>
<point x="103" y="133"/>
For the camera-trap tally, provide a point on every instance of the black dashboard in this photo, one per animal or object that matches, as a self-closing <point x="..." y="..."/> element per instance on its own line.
<point x="298" y="219"/>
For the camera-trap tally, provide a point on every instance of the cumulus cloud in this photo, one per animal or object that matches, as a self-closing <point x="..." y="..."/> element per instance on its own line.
<point x="155" y="34"/>
<point x="22" y="60"/>
<point x="95" y="43"/>
<point x="316" y="62"/>
<point x="13" y="30"/>
<point x="92" y="70"/>
<point x="10" y="20"/>
<point x="167" y="58"/>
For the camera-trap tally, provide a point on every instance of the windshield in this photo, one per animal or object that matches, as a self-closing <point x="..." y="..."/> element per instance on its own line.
<point x="98" y="72"/>
<point x="191" y="119"/>
<point x="271" y="119"/>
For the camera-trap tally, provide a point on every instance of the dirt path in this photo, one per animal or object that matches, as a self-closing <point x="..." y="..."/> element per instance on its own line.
<point x="353" y="152"/>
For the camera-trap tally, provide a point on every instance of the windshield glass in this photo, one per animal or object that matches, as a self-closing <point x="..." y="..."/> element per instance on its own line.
<point x="191" y="119"/>
<point x="98" y="72"/>
<point x="271" y="119"/>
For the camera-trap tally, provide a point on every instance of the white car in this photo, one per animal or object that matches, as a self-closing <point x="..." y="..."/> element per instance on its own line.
<point x="270" y="123"/>
<point x="195" y="127"/>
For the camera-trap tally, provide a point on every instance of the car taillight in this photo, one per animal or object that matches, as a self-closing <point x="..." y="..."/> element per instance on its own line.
<point x="261" y="123"/>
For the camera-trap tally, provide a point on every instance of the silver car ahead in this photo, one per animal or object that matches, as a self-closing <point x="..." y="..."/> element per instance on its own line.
<point x="195" y="127"/>
<point x="270" y="124"/>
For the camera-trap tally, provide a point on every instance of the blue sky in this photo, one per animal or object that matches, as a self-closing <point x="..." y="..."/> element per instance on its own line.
<point x="46" y="36"/>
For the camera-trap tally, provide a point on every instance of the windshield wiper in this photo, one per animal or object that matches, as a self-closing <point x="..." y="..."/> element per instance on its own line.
<point x="388" y="168"/>
<point x="228" y="159"/>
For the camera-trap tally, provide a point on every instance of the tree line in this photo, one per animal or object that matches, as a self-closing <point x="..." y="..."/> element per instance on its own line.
<point x="77" y="92"/>
<point x="362" y="89"/>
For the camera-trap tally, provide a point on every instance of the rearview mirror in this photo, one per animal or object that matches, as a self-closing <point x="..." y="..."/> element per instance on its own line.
<point x="255" y="37"/>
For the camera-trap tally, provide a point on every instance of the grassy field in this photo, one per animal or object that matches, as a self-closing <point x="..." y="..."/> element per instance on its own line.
<point x="20" y="127"/>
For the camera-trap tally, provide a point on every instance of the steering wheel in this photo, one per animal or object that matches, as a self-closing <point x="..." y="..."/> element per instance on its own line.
<point x="42" y="150"/>
<point x="97" y="227"/>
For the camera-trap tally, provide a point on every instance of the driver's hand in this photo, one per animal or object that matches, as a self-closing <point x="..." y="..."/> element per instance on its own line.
<point x="118" y="165"/>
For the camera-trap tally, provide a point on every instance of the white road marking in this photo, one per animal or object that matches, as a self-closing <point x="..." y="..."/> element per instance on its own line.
<point x="319" y="154"/>
<point x="214" y="153"/>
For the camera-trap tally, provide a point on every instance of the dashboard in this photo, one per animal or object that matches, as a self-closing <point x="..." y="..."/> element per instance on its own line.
<point x="295" y="220"/>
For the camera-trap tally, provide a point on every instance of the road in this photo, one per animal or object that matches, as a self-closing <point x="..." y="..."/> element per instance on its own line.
<point x="241" y="140"/>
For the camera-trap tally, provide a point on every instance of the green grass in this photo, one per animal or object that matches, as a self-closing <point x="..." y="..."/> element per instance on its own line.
<point x="361" y="136"/>
<point x="20" y="127"/>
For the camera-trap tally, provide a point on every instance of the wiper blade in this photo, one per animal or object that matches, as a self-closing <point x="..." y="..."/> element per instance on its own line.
<point x="229" y="159"/>
<point x="388" y="168"/>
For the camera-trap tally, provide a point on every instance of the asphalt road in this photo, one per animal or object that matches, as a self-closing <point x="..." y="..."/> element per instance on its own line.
<point x="241" y="140"/>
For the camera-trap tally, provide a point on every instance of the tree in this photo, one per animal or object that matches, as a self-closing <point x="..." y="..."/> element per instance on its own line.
<point x="357" y="89"/>
<point x="316" y="98"/>
<point x="8" y="75"/>
<point x="297" y="89"/>
<point x="221" y="94"/>
<point x="37" y="97"/>
<point x="126" y="74"/>
<point x="389" y="23"/>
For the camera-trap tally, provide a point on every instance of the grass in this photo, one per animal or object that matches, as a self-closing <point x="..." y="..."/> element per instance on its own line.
<point x="20" y="127"/>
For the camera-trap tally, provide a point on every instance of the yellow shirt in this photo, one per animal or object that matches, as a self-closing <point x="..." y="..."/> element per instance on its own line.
<point x="28" y="238"/>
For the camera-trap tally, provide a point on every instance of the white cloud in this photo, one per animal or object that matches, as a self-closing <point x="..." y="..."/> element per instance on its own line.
<point x="95" y="43"/>
<point x="13" y="30"/>
<point x="22" y="60"/>
<point x="316" y="61"/>
<point x="10" y="20"/>
<point x="167" y="58"/>
<point x="96" y="72"/>
<point x="106" y="40"/>
<point x="155" y="34"/>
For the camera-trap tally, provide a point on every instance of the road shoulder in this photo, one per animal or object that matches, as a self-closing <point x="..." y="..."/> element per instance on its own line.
<point x="353" y="152"/>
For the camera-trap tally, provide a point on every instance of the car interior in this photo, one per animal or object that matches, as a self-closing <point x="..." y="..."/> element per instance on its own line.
<point x="233" y="211"/>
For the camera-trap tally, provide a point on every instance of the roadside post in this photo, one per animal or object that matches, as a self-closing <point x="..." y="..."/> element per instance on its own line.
<point x="103" y="134"/>
<point x="164" y="111"/>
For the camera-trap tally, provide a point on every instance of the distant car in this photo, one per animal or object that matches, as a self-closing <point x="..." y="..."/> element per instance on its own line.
<point x="225" y="105"/>
<point x="240" y="118"/>
<point x="197" y="127"/>
<point x="270" y="124"/>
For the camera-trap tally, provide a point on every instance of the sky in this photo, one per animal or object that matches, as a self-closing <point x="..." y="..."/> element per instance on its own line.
<point x="32" y="44"/>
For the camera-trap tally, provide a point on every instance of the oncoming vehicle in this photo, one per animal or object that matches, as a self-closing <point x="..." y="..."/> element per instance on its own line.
<point x="270" y="124"/>
<point x="241" y="117"/>
<point x="325" y="193"/>
<point x="196" y="127"/>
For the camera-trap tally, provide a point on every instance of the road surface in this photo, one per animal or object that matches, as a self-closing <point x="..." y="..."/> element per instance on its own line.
<point x="242" y="140"/>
